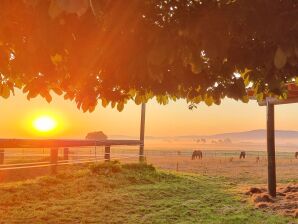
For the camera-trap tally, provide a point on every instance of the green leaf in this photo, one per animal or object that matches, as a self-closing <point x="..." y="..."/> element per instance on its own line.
<point x="260" y="97"/>
<point x="245" y="99"/>
<point x="120" y="106"/>
<point x="138" y="99"/>
<point x="197" y="99"/>
<point x="113" y="104"/>
<point x="209" y="101"/>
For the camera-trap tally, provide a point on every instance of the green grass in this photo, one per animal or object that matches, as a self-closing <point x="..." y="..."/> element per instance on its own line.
<point x="132" y="193"/>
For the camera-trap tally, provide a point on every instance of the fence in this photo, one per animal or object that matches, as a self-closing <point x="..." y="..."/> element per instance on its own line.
<point x="27" y="153"/>
<point x="227" y="163"/>
<point x="214" y="163"/>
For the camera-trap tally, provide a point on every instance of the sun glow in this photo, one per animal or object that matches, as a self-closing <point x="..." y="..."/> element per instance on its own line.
<point x="44" y="123"/>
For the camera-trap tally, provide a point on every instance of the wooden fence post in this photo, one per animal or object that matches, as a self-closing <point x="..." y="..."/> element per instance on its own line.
<point x="65" y="153"/>
<point x="142" y="133"/>
<point x="271" y="150"/>
<point x="54" y="160"/>
<point x="107" y="153"/>
<point x="1" y="156"/>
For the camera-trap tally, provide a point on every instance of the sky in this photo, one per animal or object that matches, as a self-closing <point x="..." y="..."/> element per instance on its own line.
<point x="174" y="119"/>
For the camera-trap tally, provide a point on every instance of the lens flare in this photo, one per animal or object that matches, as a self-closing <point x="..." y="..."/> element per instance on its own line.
<point x="44" y="123"/>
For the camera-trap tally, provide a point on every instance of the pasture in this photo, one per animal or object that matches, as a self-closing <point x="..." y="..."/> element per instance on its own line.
<point x="131" y="193"/>
<point x="221" y="170"/>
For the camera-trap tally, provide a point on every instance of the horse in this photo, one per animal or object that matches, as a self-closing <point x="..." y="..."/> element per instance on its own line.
<point x="197" y="154"/>
<point x="257" y="159"/>
<point x="296" y="155"/>
<point x="242" y="155"/>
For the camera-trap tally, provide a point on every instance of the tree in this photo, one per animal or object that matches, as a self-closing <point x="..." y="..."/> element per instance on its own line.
<point x="97" y="135"/>
<point x="114" y="50"/>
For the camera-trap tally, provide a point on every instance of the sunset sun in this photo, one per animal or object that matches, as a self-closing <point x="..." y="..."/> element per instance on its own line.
<point x="44" y="123"/>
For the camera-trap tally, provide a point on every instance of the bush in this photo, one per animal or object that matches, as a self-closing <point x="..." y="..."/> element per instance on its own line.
<point x="105" y="168"/>
<point x="139" y="167"/>
<point x="115" y="167"/>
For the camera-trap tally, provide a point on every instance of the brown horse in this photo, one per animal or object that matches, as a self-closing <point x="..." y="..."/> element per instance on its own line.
<point x="242" y="155"/>
<point x="257" y="159"/>
<point x="296" y="155"/>
<point x="197" y="154"/>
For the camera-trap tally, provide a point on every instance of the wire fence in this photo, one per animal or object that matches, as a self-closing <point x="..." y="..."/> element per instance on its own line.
<point x="252" y="168"/>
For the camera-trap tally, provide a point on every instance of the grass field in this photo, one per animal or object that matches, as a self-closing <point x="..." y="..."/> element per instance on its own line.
<point x="129" y="193"/>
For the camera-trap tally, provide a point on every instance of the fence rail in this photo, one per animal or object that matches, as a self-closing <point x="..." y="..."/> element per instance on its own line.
<point x="50" y="143"/>
<point x="52" y="158"/>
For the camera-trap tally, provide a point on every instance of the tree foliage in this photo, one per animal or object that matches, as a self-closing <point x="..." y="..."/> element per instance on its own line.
<point x="111" y="51"/>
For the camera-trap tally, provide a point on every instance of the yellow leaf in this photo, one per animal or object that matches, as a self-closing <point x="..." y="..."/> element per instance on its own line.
<point x="104" y="102"/>
<point x="56" y="59"/>
<point x="246" y="80"/>
<point x="5" y="92"/>
<point x="85" y="106"/>
<point x="209" y="101"/>
<point x="245" y="99"/>
<point x="91" y="108"/>
<point x="159" y="99"/>
<point x="260" y="97"/>
<point x="138" y="99"/>
<point x="245" y="72"/>
<point x="113" y="104"/>
<point x="132" y="92"/>
<point x="280" y="58"/>
<point x="197" y="99"/>
<point x="18" y="83"/>
<point x="57" y="91"/>
<point x="120" y="106"/>
<point x="48" y="97"/>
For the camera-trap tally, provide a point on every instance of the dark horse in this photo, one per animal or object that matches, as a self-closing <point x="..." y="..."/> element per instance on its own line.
<point x="296" y="155"/>
<point x="197" y="154"/>
<point x="242" y="155"/>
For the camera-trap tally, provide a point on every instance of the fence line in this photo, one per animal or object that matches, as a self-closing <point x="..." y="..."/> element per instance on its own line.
<point x="59" y="156"/>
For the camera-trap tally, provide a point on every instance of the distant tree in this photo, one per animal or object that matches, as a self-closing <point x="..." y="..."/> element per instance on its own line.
<point x="203" y="140"/>
<point x="97" y="135"/>
<point x="115" y="50"/>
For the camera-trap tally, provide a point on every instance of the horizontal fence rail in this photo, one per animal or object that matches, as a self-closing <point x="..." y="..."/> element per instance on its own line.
<point x="51" y="143"/>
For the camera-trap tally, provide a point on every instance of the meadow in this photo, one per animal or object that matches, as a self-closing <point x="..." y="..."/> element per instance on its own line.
<point x="129" y="193"/>
<point x="211" y="190"/>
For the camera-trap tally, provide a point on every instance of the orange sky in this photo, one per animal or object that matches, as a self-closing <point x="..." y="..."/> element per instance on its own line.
<point x="17" y="114"/>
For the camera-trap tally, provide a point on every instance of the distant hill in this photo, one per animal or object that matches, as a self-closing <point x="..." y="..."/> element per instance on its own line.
<point x="259" y="134"/>
<point x="256" y="134"/>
